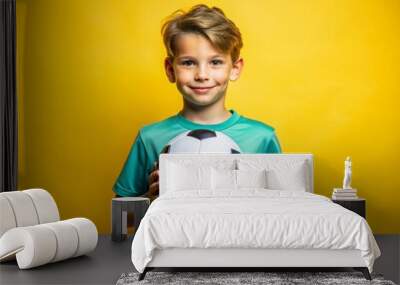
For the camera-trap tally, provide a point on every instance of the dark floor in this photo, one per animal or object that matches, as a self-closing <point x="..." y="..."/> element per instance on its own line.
<point x="102" y="266"/>
<point x="110" y="260"/>
<point x="389" y="262"/>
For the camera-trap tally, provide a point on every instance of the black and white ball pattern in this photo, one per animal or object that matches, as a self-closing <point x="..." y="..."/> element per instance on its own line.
<point x="201" y="141"/>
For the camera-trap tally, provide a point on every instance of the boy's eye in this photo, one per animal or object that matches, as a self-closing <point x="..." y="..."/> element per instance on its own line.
<point x="187" y="62"/>
<point x="217" y="61"/>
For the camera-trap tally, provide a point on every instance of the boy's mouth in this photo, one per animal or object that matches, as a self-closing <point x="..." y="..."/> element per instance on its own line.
<point x="201" y="90"/>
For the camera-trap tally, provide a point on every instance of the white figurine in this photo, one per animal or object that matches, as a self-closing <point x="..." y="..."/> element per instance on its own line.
<point x="347" y="173"/>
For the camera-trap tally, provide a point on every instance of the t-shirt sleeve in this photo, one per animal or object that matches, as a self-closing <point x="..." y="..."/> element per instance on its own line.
<point x="273" y="145"/>
<point x="132" y="180"/>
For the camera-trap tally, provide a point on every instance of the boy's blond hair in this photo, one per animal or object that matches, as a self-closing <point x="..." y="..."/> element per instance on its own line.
<point x="208" y="22"/>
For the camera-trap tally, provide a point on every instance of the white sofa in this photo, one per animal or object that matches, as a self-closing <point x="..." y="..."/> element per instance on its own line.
<point x="31" y="231"/>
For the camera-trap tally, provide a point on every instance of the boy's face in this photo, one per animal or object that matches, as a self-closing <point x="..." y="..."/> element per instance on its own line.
<point x="201" y="72"/>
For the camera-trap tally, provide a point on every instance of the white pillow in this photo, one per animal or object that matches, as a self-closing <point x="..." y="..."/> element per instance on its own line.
<point x="251" y="178"/>
<point x="223" y="179"/>
<point x="181" y="177"/>
<point x="236" y="179"/>
<point x="294" y="179"/>
<point x="281" y="174"/>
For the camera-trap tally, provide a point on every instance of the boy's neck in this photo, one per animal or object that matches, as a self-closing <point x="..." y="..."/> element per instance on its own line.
<point x="206" y="116"/>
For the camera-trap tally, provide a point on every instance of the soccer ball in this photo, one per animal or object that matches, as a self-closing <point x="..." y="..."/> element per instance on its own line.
<point x="201" y="141"/>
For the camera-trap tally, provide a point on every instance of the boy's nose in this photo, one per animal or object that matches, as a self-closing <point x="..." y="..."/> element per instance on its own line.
<point x="201" y="73"/>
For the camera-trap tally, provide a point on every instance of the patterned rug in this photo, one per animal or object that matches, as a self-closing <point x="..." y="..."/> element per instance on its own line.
<point x="243" y="278"/>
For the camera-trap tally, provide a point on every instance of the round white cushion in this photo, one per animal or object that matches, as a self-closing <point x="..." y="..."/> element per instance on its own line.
<point x="23" y="208"/>
<point x="7" y="218"/>
<point x="67" y="239"/>
<point x="46" y="207"/>
<point x="87" y="233"/>
<point x="33" y="245"/>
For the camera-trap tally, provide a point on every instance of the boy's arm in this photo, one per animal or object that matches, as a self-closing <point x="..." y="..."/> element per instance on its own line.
<point x="273" y="145"/>
<point x="132" y="180"/>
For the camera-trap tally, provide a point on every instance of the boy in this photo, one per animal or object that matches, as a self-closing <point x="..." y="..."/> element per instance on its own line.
<point x="203" y="48"/>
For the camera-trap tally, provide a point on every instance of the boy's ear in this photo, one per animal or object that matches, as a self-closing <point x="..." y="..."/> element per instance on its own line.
<point x="169" y="69"/>
<point x="236" y="69"/>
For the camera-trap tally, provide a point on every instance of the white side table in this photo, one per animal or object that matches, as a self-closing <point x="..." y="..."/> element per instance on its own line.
<point x="120" y="208"/>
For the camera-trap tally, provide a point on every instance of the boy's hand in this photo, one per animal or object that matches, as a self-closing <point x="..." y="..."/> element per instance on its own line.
<point x="153" y="190"/>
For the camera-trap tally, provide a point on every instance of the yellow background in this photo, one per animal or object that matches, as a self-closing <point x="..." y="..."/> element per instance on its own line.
<point x="325" y="74"/>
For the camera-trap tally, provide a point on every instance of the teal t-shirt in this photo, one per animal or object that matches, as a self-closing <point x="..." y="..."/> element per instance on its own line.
<point x="250" y="135"/>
